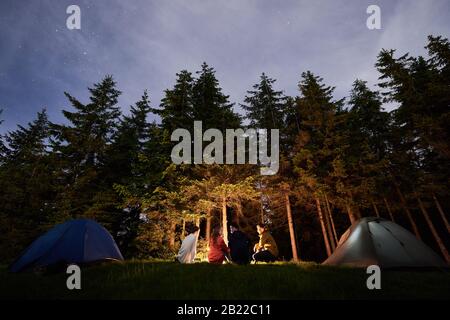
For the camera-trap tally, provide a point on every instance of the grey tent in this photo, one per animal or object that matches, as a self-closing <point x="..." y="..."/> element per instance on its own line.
<point x="376" y="241"/>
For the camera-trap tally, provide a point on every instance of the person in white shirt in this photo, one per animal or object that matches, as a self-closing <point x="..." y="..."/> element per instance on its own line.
<point x="188" y="248"/>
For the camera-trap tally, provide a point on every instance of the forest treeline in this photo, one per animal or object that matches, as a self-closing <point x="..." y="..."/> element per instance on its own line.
<point x="340" y="160"/>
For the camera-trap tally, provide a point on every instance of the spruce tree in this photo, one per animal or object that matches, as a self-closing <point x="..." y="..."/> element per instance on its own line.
<point x="83" y="147"/>
<point x="364" y="155"/>
<point x="176" y="108"/>
<point x="210" y="105"/>
<point x="27" y="185"/>
<point x="264" y="105"/>
<point x="419" y="140"/>
<point x="318" y="143"/>
<point x="2" y="144"/>
<point x="128" y="143"/>
<point x="267" y="108"/>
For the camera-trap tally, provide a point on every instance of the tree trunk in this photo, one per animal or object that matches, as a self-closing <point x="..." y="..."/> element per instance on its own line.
<point x="433" y="231"/>
<point x="173" y="227"/>
<point x="355" y="209"/>
<point x="197" y="223"/>
<point x="330" y="232"/>
<point x="291" y="228"/>
<point x="261" y="202"/>
<point x="357" y="212"/>
<point x="324" y="230"/>
<point x="262" y="212"/>
<point x="331" y="219"/>
<point x="441" y="212"/>
<point x="351" y="216"/>
<point x="239" y="214"/>
<point x="388" y="207"/>
<point x="408" y="213"/>
<point x="375" y="209"/>
<point x="224" y="221"/>
<point x="208" y="227"/>
<point x="183" y="231"/>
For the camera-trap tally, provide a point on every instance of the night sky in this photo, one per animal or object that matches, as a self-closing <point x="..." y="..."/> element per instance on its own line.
<point x="144" y="43"/>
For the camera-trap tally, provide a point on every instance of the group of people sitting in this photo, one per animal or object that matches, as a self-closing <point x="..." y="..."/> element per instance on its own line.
<point x="238" y="249"/>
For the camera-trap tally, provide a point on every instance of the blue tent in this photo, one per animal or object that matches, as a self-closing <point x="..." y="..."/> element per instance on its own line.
<point x="76" y="241"/>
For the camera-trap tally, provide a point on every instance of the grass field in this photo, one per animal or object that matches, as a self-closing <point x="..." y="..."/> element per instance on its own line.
<point x="168" y="280"/>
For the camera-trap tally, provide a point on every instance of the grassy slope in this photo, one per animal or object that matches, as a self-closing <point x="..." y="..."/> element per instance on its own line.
<point x="165" y="280"/>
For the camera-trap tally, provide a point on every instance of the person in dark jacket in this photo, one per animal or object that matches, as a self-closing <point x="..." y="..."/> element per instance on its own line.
<point x="239" y="245"/>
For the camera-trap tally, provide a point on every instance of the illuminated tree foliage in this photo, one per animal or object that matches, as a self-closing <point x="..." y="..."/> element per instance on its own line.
<point x="379" y="152"/>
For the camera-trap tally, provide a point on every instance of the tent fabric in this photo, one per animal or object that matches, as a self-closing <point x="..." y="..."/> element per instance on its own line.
<point x="77" y="241"/>
<point x="376" y="241"/>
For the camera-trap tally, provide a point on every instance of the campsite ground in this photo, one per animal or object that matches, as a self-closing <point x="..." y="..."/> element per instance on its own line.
<point x="168" y="280"/>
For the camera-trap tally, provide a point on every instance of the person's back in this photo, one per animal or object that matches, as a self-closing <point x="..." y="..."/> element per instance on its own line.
<point x="217" y="247"/>
<point x="188" y="248"/>
<point x="239" y="246"/>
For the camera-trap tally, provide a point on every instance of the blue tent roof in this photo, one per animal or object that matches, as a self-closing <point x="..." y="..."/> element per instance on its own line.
<point x="75" y="241"/>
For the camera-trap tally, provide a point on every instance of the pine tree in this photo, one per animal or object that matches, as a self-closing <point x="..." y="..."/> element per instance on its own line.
<point x="27" y="185"/>
<point x="82" y="148"/>
<point x="318" y="142"/>
<point x="367" y="117"/>
<point x="364" y="153"/>
<point x="25" y="144"/>
<point x="315" y="148"/>
<point x="129" y="141"/>
<point x="213" y="109"/>
<point x="176" y="108"/>
<point x="264" y="105"/>
<point x="175" y="111"/>
<point x="266" y="108"/>
<point x="290" y="128"/>
<point x="439" y="90"/>
<point x="2" y="145"/>
<point x="121" y="173"/>
<point x="210" y="105"/>
<point x="419" y="140"/>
